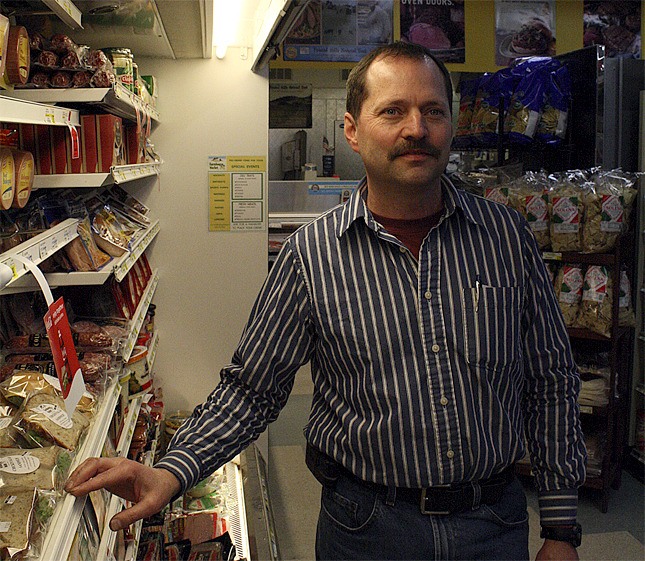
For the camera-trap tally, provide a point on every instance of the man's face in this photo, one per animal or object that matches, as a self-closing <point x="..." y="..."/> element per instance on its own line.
<point x="404" y="130"/>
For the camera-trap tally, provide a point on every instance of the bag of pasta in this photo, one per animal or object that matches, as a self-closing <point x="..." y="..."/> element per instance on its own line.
<point x="566" y="210"/>
<point x="528" y="98"/>
<point x="552" y="126"/>
<point x="494" y="93"/>
<point x="608" y="204"/>
<point x="568" y="289"/>
<point x="468" y="94"/>
<point x="596" y="305"/>
<point x="529" y="196"/>
<point x="626" y="316"/>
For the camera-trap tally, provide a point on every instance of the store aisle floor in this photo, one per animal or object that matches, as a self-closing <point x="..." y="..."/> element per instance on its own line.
<point x="618" y="535"/>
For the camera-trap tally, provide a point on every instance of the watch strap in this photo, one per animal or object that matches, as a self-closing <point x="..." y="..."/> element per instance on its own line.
<point x="570" y="534"/>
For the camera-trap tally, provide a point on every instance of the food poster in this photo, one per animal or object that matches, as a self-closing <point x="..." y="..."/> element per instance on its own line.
<point x="615" y="24"/>
<point x="523" y="28"/>
<point x="339" y="30"/>
<point x="436" y="25"/>
<point x="236" y="186"/>
<point x="290" y="106"/>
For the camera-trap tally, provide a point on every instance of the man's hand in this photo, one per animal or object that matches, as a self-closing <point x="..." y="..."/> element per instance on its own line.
<point x="553" y="550"/>
<point x="148" y="489"/>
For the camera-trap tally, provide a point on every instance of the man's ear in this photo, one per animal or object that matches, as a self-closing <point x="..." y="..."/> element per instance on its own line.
<point x="351" y="134"/>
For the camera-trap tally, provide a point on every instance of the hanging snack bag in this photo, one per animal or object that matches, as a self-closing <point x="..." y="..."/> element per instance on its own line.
<point x="596" y="305"/>
<point x="626" y="316"/>
<point x="552" y="126"/>
<point x="468" y="95"/>
<point x="566" y="210"/>
<point x="494" y="94"/>
<point x="529" y="196"/>
<point x="608" y="203"/>
<point x="568" y="289"/>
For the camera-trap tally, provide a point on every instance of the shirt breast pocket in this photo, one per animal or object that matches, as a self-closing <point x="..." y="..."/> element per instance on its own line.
<point x="492" y="320"/>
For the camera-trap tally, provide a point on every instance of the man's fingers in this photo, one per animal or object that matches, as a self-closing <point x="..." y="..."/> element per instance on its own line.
<point x="130" y="515"/>
<point x="92" y="474"/>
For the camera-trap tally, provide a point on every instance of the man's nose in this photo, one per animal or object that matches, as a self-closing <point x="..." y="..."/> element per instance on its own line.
<point x="415" y="125"/>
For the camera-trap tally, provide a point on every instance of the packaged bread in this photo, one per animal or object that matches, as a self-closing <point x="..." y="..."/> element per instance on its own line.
<point x="597" y="301"/>
<point x="16" y="519"/>
<point x="24" y="177"/>
<point x="7" y="178"/>
<point x="568" y="289"/>
<point x="608" y="203"/>
<point x="45" y="420"/>
<point x="44" y="468"/>
<point x="83" y="252"/>
<point x="566" y="211"/>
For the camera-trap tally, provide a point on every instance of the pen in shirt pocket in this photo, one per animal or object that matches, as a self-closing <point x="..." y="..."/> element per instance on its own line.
<point x="478" y="285"/>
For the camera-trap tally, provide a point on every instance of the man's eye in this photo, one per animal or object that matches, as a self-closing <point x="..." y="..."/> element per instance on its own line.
<point x="391" y="111"/>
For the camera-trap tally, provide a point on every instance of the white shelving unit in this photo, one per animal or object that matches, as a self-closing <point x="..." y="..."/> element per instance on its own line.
<point x="66" y="11"/>
<point x="116" y="175"/>
<point x="29" y="112"/>
<point x="117" y="99"/>
<point x="52" y="240"/>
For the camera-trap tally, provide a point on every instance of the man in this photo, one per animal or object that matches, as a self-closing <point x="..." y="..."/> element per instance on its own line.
<point x="435" y="342"/>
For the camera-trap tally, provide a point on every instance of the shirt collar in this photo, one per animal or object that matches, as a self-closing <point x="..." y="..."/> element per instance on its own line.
<point x="356" y="207"/>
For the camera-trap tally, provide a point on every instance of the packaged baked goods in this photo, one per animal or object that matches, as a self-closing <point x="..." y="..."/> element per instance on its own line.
<point x="566" y="210"/>
<point x="529" y="196"/>
<point x="494" y="94"/>
<point x="597" y="301"/>
<point x="568" y="289"/>
<point x="83" y="252"/>
<point x="44" y="468"/>
<point x="44" y="420"/>
<point x="468" y="94"/>
<point x="17" y="518"/>
<point x="608" y="203"/>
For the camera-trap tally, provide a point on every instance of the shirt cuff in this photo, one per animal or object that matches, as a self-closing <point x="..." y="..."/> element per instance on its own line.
<point x="184" y="466"/>
<point x="558" y="507"/>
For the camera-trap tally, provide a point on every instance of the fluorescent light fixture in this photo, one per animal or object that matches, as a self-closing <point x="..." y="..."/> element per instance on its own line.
<point x="226" y="21"/>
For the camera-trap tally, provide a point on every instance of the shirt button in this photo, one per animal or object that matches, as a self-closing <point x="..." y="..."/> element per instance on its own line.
<point x="427" y="295"/>
<point x="443" y="400"/>
<point x="450" y="454"/>
<point x="435" y="348"/>
<point x="402" y="249"/>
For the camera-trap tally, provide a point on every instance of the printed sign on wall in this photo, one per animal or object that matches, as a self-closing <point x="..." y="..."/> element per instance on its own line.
<point x="236" y="186"/>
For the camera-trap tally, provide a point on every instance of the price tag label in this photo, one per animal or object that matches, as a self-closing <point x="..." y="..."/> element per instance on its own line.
<point x="19" y="464"/>
<point x="54" y="414"/>
<point x="49" y="116"/>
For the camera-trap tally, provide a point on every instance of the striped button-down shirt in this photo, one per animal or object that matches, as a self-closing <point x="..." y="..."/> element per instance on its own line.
<point x="427" y="370"/>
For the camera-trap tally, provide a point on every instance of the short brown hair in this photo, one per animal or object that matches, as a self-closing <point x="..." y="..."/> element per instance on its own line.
<point x="356" y="88"/>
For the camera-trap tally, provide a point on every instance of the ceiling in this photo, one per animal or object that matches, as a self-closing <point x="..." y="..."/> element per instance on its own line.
<point x="176" y="29"/>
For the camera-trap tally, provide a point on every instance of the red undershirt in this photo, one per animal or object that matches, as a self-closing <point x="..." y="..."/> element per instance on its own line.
<point x="410" y="233"/>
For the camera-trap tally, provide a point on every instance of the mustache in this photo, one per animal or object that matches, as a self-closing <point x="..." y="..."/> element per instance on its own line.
<point x="414" y="146"/>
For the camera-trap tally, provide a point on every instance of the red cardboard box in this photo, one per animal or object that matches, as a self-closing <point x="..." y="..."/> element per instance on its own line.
<point x="27" y="138"/>
<point x="89" y="149"/>
<point x="109" y="136"/>
<point x="59" y="149"/>
<point x="135" y="142"/>
<point x="43" y="155"/>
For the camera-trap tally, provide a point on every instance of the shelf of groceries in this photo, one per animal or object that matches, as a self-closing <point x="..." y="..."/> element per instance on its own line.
<point x="117" y="100"/>
<point x="116" y="176"/>
<point x="45" y="244"/>
<point x="32" y="113"/>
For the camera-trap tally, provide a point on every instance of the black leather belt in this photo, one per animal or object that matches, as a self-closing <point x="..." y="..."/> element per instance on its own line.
<point x="441" y="500"/>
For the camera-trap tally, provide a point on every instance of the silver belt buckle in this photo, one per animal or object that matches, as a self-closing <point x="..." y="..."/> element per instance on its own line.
<point x="431" y="512"/>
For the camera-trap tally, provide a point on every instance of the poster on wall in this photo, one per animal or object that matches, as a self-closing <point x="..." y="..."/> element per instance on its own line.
<point x="437" y="25"/>
<point x="523" y="28"/>
<point x="339" y="30"/>
<point x="290" y="106"/>
<point x="615" y="24"/>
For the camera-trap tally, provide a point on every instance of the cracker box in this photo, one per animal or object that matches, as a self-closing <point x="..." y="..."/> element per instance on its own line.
<point x="44" y="161"/>
<point x="59" y="149"/>
<point x="89" y="148"/>
<point x="109" y="136"/>
<point x="135" y="141"/>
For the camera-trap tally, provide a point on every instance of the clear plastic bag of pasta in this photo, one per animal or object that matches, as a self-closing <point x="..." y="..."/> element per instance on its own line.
<point x="626" y="316"/>
<point x="529" y="196"/>
<point x="597" y="301"/>
<point x="566" y="212"/>
<point x="608" y="204"/>
<point x="568" y="289"/>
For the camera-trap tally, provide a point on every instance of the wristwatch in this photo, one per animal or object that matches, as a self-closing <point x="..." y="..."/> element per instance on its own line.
<point x="570" y="534"/>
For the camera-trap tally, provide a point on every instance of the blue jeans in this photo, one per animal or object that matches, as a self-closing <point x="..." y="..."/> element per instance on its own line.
<point x="358" y="522"/>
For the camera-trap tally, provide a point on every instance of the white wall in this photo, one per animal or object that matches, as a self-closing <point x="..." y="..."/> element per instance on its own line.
<point x="208" y="280"/>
